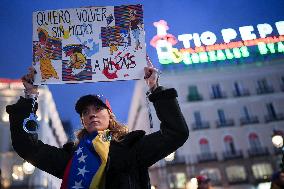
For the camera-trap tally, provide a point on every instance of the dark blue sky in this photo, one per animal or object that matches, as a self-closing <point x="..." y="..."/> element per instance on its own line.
<point x="183" y="16"/>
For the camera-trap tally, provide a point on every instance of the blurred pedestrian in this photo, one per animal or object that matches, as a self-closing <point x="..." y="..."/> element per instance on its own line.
<point x="105" y="156"/>
<point x="203" y="182"/>
<point x="277" y="180"/>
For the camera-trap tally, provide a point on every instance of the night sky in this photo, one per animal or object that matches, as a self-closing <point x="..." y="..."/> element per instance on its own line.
<point x="183" y="16"/>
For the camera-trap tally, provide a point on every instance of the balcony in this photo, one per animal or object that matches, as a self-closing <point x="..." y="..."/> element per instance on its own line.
<point x="177" y="160"/>
<point x="225" y="123"/>
<point x="272" y="118"/>
<point x="201" y="125"/>
<point x="264" y="90"/>
<point x="207" y="157"/>
<point x="194" y="97"/>
<point x="249" y="120"/>
<point x="259" y="151"/>
<point x="219" y="95"/>
<point x="242" y="93"/>
<point x="232" y="155"/>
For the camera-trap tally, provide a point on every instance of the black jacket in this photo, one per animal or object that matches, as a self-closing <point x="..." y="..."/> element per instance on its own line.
<point x="128" y="161"/>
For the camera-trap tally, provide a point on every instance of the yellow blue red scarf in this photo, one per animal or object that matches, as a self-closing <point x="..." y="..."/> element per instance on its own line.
<point x="86" y="168"/>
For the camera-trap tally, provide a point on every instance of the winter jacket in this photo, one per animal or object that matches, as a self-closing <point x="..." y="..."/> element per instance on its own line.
<point x="128" y="160"/>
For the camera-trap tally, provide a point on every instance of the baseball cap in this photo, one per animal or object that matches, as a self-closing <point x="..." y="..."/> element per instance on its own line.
<point x="91" y="99"/>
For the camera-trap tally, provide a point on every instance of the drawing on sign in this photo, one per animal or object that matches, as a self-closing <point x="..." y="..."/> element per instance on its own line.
<point x="46" y="50"/>
<point x="78" y="68"/>
<point x="89" y="44"/>
<point x="135" y="26"/>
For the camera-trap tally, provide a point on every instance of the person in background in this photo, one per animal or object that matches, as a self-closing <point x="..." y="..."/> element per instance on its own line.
<point x="203" y="182"/>
<point x="277" y="180"/>
<point x="105" y="155"/>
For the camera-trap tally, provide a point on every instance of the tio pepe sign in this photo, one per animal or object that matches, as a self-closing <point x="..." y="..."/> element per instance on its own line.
<point x="202" y="48"/>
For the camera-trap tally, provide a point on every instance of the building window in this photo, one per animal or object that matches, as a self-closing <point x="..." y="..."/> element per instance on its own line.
<point x="271" y="110"/>
<point x="217" y="92"/>
<point x="247" y="118"/>
<point x="263" y="87"/>
<point x="272" y="114"/>
<point x="229" y="144"/>
<point x="197" y="118"/>
<point x="221" y="115"/>
<point x="230" y="150"/>
<point x="198" y="123"/>
<point x="204" y="146"/>
<point x="262" y="83"/>
<point x="246" y="113"/>
<point x="223" y="122"/>
<point x="193" y="94"/>
<point x="262" y="171"/>
<point x="212" y="173"/>
<point x="177" y="180"/>
<point x="236" y="174"/>
<point x="239" y="90"/>
<point x="205" y="152"/>
<point x="254" y="141"/>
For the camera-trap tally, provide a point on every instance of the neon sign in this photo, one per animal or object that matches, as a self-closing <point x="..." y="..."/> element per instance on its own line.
<point x="203" y="48"/>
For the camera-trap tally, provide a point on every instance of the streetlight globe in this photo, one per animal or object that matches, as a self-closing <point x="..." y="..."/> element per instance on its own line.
<point x="277" y="141"/>
<point x="28" y="168"/>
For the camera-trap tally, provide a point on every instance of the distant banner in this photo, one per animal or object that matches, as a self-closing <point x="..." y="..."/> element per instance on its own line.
<point x="89" y="44"/>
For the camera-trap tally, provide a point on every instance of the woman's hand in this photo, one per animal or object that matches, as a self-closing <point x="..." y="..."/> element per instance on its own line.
<point x="151" y="75"/>
<point x="28" y="81"/>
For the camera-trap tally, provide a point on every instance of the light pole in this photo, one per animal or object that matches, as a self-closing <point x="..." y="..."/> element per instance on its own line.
<point x="277" y="141"/>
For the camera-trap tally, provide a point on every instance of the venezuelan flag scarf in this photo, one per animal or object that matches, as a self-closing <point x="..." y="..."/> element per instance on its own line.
<point x="86" y="168"/>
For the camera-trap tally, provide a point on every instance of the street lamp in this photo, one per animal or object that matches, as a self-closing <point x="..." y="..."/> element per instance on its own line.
<point x="28" y="168"/>
<point x="277" y="139"/>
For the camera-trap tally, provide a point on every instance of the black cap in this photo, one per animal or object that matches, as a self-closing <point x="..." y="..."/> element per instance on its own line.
<point x="91" y="99"/>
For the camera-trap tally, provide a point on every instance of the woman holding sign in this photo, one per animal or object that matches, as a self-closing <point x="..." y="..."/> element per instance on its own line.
<point x="105" y="156"/>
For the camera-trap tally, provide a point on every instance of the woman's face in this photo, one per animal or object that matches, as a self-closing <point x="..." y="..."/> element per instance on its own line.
<point x="95" y="118"/>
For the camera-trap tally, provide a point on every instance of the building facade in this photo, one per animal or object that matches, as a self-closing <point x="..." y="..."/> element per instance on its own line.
<point x="231" y="112"/>
<point x="13" y="168"/>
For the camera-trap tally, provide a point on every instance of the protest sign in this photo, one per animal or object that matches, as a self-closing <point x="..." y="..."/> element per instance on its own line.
<point x="89" y="44"/>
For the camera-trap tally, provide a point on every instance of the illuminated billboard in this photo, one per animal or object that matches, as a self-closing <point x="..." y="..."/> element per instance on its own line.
<point x="263" y="39"/>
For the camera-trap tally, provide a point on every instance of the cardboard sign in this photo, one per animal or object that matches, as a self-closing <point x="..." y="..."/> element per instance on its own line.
<point x="89" y="44"/>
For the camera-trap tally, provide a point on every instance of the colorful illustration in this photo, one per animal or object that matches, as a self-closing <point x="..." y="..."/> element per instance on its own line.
<point x="98" y="44"/>
<point x="46" y="49"/>
<point x="135" y="27"/>
<point x="78" y="68"/>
